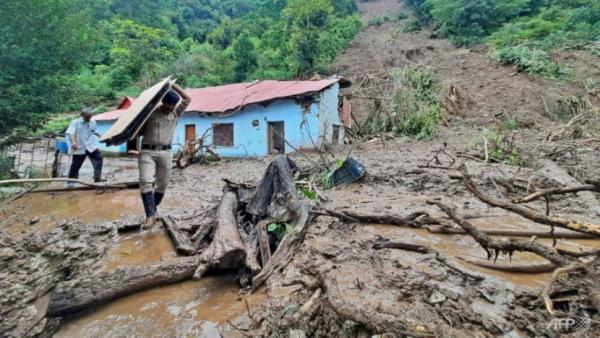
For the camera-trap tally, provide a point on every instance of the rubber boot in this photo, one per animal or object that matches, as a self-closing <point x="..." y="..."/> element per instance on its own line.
<point x="158" y="197"/>
<point x="150" y="210"/>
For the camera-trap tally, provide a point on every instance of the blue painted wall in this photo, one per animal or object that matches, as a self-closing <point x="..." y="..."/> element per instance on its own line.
<point x="102" y="127"/>
<point x="303" y="128"/>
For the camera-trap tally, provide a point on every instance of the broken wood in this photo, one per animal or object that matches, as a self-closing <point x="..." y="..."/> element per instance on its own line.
<point x="506" y="245"/>
<point x="181" y="241"/>
<point x="552" y="170"/>
<point x="305" y="308"/>
<point x="561" y="270"/>
<point x="556" y="191"/>
<point x="120" y="185"/>
<point x="589" y="228"/>
<point x="436" y="229"/>
<point x="523" y="268"/>
<point x="103" y="287"/>
<point x="226" y="249"/>
<point x="288" y="246"/>
<point x="385" y="244"/>
<point x="263" y="242"/>
<point x="351" y="216"/>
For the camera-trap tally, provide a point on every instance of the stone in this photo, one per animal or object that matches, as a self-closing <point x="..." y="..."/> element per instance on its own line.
<point x="7" y="254"/>
<point x="436" y="297"/>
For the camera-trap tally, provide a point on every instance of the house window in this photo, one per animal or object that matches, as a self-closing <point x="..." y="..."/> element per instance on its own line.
<point x="223" y="135"/>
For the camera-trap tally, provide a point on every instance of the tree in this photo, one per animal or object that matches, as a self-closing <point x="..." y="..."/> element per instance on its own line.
<point x="243" y="56"/>
<point x="41" y="41"/>
<point x="306" y="21"/>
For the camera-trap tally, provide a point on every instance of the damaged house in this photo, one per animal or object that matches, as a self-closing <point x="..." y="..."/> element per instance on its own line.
<point x="252" y="119"/>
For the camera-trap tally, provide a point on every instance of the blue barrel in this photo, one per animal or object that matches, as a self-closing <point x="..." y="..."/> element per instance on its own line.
<point x="62" y="147"/>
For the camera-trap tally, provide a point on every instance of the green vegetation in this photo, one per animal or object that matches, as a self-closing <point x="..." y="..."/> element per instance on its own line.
<point x="60" y="55"/>
<point x="534" y="61"/>
<point x="280" y="230"/>
<point x="521" y="31"/>
<point x="415" y="108"/>
<point x="380" y="20"/>
<point x="500" y="143"/>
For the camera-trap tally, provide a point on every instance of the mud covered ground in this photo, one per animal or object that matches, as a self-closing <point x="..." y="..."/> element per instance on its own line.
<point x="356" y="290"/>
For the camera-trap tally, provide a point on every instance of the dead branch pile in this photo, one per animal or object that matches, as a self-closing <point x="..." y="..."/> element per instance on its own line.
<point x="230" y="241"/>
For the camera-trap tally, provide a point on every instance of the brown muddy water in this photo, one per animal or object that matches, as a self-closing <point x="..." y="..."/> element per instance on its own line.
<point x="464" y="245"/>
<point x="188" y="309"/>
<point x="196" y="308"/>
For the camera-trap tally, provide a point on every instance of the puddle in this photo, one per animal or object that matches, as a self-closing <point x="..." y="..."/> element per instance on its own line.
<point x="139" y="249"/>
<point x="463" y="245"/>
<point x="187" y="309"/>
<point x="88" y="206"/>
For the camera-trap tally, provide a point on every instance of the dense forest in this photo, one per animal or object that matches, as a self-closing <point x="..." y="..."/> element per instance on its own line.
<point x="521" y="32"/>
<point x="60" y="55"/>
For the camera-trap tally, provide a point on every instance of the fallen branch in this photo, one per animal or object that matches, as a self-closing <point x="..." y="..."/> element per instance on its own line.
<point x="533" y="215"/>
<point x="351" y="216"/>
<point x="435" y="229"/>
<point x="555" y="191"/>
<point x="527" y="268"/>
<point x="73" y="180"/>
<point x="559" y="271"/>
<point x="497" y="246"/>
<point x="385" y="244"/>
<point x="106" y="286"/>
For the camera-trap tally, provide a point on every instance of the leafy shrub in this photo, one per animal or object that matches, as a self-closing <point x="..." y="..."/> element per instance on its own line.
<point x="415" y="108"/>
<point x="412" y="25"/>
<point x="501" y="147"/>
<point x="401" y="16"/>
<point x="379" y="20"/>
<point x="531" y="60"/>
<point x="54" y="126"/>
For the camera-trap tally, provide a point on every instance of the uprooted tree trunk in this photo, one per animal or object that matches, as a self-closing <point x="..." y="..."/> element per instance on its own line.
<point x="100" y="288"/>
<point x="226" y="250"/>
<point x="234" y="244"/>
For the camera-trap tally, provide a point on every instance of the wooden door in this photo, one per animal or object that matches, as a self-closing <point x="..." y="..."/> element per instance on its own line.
<point x="190" y="136"/>
<point x="276" y="137"/>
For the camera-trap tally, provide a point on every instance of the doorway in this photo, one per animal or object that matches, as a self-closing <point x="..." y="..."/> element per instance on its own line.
<point x="190" y="137"/>
<point x="276" y="137"/>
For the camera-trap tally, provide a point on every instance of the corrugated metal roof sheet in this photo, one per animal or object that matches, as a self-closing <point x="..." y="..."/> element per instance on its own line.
<point x="115" y="114"/>
<point x="228" y="98"/>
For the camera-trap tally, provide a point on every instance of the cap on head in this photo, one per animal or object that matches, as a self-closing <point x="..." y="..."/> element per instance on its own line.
<point x="171" y="98"/>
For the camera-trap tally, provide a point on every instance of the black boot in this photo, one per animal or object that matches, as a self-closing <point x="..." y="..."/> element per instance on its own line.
<point x="158" y="197"/>
<point x="149" y="204"/>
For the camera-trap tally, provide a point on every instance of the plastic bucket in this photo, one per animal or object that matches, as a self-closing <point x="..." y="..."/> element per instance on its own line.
<point x="62" y="147"/>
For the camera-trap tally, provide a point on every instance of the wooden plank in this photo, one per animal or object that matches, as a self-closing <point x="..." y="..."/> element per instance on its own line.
<point x="263" y="242"/>
<point x="131" y="118"/>
<point x="182" y="242"/>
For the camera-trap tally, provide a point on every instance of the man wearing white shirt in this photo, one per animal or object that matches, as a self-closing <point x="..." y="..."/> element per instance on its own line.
<point x="82" y="134"/>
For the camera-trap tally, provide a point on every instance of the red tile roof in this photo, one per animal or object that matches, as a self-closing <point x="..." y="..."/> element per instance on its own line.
<point x="230" y="98"/>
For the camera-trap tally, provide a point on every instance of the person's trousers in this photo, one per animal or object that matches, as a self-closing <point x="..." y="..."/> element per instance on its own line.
<point x="77" y="162"/>
<point x="155" y="169"/>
